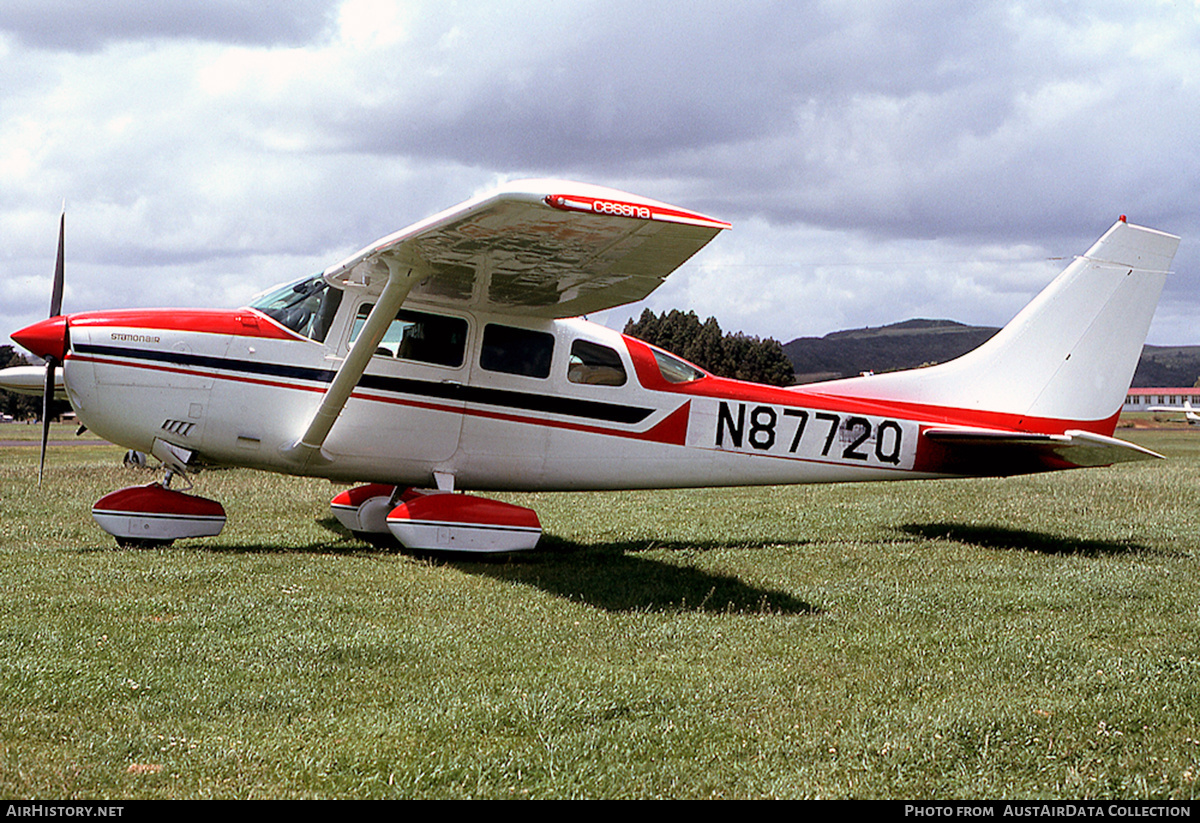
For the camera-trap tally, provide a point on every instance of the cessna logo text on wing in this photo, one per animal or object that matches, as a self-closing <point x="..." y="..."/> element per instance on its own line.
<point x="621" y="209"/>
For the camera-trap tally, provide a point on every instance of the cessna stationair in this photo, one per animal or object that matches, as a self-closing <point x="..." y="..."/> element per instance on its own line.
<point x="449" y="356"/>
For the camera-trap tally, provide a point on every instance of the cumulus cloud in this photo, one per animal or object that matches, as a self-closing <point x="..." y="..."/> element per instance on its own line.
<point x="879" y="161"/>
<point x="75" y="25"/>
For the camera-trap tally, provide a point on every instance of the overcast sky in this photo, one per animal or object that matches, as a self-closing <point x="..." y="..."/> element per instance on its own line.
<point x="879" y="161"/>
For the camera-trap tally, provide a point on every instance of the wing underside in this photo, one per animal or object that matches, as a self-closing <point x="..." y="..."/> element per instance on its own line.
<point x="538" y="248"/>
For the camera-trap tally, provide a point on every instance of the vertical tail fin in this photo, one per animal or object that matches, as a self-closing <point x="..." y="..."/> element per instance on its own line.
<point x="1068" y="355"/>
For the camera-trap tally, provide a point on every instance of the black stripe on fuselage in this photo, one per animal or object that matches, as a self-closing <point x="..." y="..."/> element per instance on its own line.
<point x="457" y="392"/>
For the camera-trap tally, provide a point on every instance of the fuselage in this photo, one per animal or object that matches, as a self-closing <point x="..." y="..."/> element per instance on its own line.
<point x="495" y="401"/>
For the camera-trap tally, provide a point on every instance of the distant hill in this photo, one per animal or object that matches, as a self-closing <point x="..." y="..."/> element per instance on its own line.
<point x="1168" y="367"/>
<point x="918" y="342"/>
<point x="886" y="348"/>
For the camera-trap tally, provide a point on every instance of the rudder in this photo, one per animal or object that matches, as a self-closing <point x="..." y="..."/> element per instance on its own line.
<point x="1068" y="355"/>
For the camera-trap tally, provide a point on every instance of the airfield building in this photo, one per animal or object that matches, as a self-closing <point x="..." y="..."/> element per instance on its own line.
<point x="1143" y="399"/>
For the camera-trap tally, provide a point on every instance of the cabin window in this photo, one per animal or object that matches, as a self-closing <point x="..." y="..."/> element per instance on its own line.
<point x="306" y="307"/>
<point x="675" y="370"/>
<point x="418" y="336"/>
<point x="594" y="364"/>
<point x="516" y="351"/>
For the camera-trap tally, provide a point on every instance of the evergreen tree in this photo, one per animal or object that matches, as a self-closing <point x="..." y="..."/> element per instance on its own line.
<point x="737" y="355"/>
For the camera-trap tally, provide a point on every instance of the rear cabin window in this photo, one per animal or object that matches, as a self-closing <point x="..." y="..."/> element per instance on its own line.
<point x="516" y="351"/>
<point x="414" y="335"/>
<point x="595" y="365"/>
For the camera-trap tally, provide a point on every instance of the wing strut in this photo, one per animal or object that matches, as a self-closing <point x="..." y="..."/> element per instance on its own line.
<point x="307" y="450"/>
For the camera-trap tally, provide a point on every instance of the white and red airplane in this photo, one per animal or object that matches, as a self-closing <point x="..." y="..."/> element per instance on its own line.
<point x="449" y="356"/>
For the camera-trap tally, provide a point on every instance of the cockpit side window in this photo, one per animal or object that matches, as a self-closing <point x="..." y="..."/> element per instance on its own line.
<point x="675" y="370"/>
<point x="594" y="364"/>
<point x="306" y="307"/>
<point x="415" y="335"/>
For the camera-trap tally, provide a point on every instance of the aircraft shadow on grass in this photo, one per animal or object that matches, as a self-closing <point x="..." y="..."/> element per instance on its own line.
<point x="1008" y="539"/>
<point x="611" y="576"/>
<point x="608" y="576"/>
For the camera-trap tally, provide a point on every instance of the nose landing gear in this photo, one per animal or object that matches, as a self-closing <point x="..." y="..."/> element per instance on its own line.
<point x="155" y="515"/>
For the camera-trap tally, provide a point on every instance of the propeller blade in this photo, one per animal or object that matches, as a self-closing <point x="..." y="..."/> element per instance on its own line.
<point x="47" y="398"/>
<point x="57" y="294"/>
<point x="56" y="297"/>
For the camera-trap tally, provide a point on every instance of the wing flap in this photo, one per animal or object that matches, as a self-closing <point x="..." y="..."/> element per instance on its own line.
<point x="538" y="248"/>
<point x="997" y="452"/>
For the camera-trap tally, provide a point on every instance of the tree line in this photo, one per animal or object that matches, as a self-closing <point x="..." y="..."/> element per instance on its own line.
<point x="736" y="355"/>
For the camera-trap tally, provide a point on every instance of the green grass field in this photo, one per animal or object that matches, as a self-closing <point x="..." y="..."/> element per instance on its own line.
<point x="1024" y="638"/>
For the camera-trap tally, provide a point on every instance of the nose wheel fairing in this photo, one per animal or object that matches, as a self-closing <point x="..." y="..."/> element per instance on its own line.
<point x="153" y="515"/>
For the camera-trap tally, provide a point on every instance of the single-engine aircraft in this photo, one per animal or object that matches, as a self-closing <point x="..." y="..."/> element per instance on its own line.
<point x="450" y="356"/>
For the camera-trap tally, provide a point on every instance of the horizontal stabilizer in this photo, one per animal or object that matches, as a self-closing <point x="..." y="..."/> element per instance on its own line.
<point x="992" y="452"/>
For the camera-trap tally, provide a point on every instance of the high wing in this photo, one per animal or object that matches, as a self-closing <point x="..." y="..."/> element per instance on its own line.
<point x="535" y="248"/>
<point x="986" y="451"/>
<point x="541" y="248"/>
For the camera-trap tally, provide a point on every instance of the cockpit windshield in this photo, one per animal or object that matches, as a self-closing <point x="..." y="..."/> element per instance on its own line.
<point x="306" y="307"/>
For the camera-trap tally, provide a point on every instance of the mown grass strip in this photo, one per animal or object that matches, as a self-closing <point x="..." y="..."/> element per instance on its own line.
<point x="1029" y="637"/>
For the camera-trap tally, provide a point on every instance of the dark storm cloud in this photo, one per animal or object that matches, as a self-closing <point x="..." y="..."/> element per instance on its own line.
<point x="752" y="100"/>
<point x="86" y="25"/>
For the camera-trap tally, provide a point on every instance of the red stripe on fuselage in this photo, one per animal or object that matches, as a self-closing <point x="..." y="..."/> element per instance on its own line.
<point x="671" y="430"/>
<point x="720" y="388"/>
<point x="216" y="375"/>
<point x="243" y="322"/>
